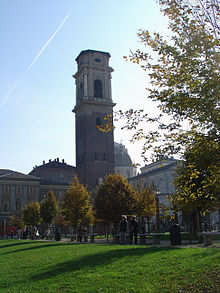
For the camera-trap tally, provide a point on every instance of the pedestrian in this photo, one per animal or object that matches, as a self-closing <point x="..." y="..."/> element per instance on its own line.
<point x="123" y="229"/>
<point x="133" y="229"/>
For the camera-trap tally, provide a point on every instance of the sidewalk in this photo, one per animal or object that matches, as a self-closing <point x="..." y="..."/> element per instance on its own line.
<point x="185" y="243"/>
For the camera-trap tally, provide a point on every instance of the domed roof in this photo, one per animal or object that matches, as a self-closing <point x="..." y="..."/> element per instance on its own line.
<point x="122" y="157"/>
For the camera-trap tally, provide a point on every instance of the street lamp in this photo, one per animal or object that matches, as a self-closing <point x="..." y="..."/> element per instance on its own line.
<point x="157" y="211"/>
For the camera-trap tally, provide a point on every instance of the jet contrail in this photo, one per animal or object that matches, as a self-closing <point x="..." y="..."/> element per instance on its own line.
<point x="35" y="59"/>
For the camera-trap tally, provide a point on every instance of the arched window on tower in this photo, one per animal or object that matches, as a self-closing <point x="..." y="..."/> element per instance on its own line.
<point x="98" y="89"/>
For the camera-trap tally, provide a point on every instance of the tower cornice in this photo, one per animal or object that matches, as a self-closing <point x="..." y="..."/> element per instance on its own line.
<point x="96" y="102"/>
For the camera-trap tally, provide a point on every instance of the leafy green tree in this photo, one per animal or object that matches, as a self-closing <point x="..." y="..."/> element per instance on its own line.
<point x="184" y="81"/>
<point x="145" y="203"/>
<point x="49" y="208"/>
<point x="198" y="179"/>
<point x="76" y="206"/>
<point x="31" y="214"/>
<point x="114" y="197"/>
<point x="16" y="221"/>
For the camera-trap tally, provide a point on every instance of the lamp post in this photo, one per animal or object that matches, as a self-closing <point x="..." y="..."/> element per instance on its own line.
<point x="157" y="211"/>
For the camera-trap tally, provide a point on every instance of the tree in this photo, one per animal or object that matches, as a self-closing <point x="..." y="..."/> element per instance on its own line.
<point x="184" y="81"/>
<point x="114" y="197"/>
<point x="16" y="221"/>
<point x="198" y="179"/>
<point x="145" y="203"/>
<point x="49" y="208"/>
<point x="76" y="206"/>
<point x="207" y="13"/>
<point x="31" y="214"/>
<point x="184" y="77"/>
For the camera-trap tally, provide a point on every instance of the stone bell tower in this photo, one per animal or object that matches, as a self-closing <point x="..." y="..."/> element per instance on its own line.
<point x="94" y="149"/>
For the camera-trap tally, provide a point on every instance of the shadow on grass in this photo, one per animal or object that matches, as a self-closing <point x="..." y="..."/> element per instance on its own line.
<point x="97" y="259"/>
<point x="19" y="242"/>
<point x="42" y="245"/>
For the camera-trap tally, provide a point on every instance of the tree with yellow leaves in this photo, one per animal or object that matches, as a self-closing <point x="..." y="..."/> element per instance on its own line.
<point x="76" y="206"/>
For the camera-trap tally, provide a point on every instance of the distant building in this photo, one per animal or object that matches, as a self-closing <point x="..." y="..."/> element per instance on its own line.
<point x="17" y="189"/>
<point x="160" y="175"/>
<point x="123" y="162"/>
<point x="55" y="176"/>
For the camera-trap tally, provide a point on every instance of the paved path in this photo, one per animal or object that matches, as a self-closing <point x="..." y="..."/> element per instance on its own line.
<point x="185" y="243"/>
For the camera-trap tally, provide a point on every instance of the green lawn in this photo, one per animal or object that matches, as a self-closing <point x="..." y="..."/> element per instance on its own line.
<point x="37" y="266"/>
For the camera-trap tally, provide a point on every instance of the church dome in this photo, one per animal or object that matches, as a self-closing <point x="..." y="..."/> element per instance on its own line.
<point x="122" y="157"/>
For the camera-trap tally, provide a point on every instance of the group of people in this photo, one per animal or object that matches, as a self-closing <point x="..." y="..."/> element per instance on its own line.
<point x="131" y="226"/>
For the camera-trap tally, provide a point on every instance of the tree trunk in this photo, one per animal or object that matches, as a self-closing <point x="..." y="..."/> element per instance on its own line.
<point x="199" y="225"/>
<point x="190" y="228"/>
<point x="148" y="224"/>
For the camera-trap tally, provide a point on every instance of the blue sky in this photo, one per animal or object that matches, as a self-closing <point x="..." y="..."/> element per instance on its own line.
<point x="39" y="43"/>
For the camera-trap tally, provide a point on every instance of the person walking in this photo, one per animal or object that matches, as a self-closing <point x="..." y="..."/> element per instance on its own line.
<point x="133" y="229"/>
<point x="123" y="228"/>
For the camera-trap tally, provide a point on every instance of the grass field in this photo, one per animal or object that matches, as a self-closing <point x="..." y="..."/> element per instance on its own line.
<point x="39" y="266"/>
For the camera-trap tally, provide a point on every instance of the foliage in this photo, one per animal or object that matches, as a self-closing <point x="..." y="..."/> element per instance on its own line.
<point x="184" y="81"/>
<point x="60" y="222"/>
<point x="184" y="78"/>
<point x="76" y="206"/>
<point x="207" y="13"/>
<point x="114" y="197"/>
<point x="145" y="203"/>
<point x="16" y="221"/>
<point x="198" y="180"/>
<point x="31" y="214"/>
<point x="49" y="208"/>
<point x="27" y="266"/>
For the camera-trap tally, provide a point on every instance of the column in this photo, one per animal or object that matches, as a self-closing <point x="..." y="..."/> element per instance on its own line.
<point x="25" y="196"/>
<point x="90" y="84"/>
<point x="12" y="203"/>
<point x="85" y="83"/>
<point x="37" y="194"/>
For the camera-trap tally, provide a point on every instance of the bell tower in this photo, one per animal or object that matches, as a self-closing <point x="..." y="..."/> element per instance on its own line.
<point x="94" y="149"/>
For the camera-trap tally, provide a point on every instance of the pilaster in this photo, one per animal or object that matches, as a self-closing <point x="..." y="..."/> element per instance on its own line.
<point x="37" y="194"/>
<point x="25" y="195"/>
<point x="12" y="203"/>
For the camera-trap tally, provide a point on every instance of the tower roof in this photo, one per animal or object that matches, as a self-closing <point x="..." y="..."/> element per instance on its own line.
<point x="92" y="51"/>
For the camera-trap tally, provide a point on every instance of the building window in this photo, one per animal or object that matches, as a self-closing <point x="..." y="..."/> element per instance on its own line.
<point x="100" y="156"/>
<point x="18" y="189"/>
<point x="18" y="204"/>
<point x="5" y="207"/>
<point x="6" y="189"/>
<point x="30" y="190"/>
<point x="98" y="89"/>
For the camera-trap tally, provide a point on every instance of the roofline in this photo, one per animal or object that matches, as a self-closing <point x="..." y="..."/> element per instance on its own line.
<point x="156" y="170"/>
<point x="92" y="51"/>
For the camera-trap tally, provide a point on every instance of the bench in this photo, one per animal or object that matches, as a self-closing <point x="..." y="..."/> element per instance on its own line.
<point x="207" y="237"/>
<point x="156" y="237"/>
<point x="83" y="237"/>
